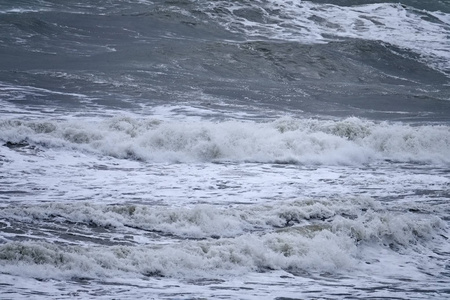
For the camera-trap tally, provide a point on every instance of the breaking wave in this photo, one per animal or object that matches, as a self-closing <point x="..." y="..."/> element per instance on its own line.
<point x="305" y="141"/>
<point x="302" y="235"/>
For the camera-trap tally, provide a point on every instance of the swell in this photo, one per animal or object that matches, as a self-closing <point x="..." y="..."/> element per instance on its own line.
<point x="309" y="22"/>
<point x="310" y="57"/>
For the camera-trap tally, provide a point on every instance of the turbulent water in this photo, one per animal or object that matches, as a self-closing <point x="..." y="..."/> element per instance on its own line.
<point x="225" y="149"/>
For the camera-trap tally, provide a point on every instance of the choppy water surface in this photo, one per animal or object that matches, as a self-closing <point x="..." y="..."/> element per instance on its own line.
<point x="224" y="149"/>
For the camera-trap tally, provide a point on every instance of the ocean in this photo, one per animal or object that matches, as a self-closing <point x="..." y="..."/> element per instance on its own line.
<point x="191" y="149"/>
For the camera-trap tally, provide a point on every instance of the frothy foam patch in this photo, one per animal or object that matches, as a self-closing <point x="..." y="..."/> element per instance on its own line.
<point x="348" y="142"/>
<point x="244" y="254"/>
<point x="361" y="218"/>
<point x="303" y="235"/>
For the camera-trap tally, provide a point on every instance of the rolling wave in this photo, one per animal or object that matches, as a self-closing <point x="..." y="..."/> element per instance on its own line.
<point x="310" y="235"/>
<point x="286" y="140"/>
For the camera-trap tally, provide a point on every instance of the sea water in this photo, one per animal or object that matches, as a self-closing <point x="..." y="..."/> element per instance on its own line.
<point x="224" y="149"/>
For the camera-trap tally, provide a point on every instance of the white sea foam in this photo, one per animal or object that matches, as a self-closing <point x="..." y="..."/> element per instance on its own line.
<point x="361" y="218"/>
<point x="308" y="22"/>
<point x="73" y="210"/>
<point x="348" y="142"/>
<point x="199" y="221"/>
<point x="23" y="10"/>
<point x="311" y="245"/>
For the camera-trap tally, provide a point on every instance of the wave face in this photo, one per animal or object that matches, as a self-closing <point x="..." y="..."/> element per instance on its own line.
<point x="396" y="24"/>
<point x="192" y="149"/>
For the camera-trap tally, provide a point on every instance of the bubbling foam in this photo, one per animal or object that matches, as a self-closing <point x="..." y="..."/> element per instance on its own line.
<point x="348" y="142"/>
<point x="312" y="235"/>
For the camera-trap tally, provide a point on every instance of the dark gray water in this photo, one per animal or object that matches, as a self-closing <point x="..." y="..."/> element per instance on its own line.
<point x="127" y="55"/>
